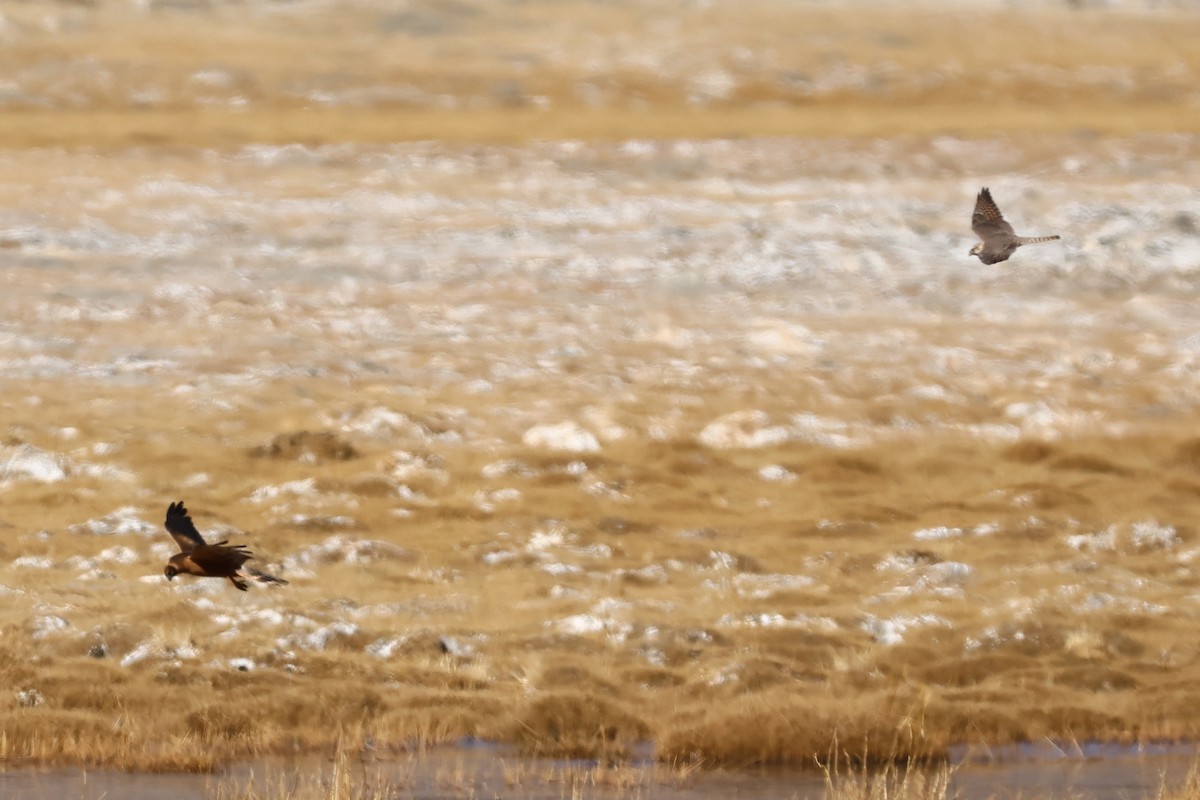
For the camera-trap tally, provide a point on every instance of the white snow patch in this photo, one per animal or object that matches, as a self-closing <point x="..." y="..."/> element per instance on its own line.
<point x="118" y="555"/>
<point x="891" y="631"/>
<point x="123" y="520"/>
<point x="567" y="437"/>
<point x="498" y="557"/>
<point x="32" y="562"/>
<point x="760" y="587"/>
<point x="940" y="532"/>
<point x="761" y="620"/>
<point x="299" y="488"/>
<point x="740" y="430"/>
<point x="45" y="625"/>
<point x="156" y="649"/>
<point x="558" y="568"/>
<point x="581" y="624"/>
<point x="139" y="653"/>
<point x="26" y="462"/>
<point x="1140" y="536"/>
<point x="775" y="472"/>
<point x="606" y="616"/>
<point x="1149" y="535"/>
<point x="384" y="648"/>
<point x="823" y="431"/>
<point x="322" y="637"/>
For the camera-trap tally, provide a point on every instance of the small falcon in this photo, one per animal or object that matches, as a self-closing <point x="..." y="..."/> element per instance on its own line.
<point x="998" y="239"/>
<point x="197" y="557"/>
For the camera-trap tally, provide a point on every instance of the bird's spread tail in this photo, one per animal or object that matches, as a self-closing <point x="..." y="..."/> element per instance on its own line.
<point x="1036" y="239"/>
<point x="263" y="577"/>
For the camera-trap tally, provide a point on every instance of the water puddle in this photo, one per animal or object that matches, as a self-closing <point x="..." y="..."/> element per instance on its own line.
<point x="1092" y="771"/>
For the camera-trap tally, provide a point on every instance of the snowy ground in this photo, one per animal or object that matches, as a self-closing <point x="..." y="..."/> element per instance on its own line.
<point x="694" y="419"/>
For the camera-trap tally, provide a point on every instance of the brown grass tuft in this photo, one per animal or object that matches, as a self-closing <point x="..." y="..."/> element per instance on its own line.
<point x="577" y="725"/>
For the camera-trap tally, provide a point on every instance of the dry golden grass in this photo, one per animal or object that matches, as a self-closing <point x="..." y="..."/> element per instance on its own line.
<point x="578" y="604"/>
<point x="707" y="691"/>
<point x="480" y="72"/>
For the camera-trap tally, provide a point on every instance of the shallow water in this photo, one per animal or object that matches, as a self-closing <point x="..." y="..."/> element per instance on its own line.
<point x="1043" y="771"/>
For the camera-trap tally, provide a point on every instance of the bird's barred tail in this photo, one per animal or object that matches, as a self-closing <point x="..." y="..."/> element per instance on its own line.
<point x="263" y="577"/>
<point x="1036" y="239"/>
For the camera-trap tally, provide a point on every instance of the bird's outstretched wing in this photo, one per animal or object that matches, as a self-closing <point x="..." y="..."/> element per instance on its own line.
<point x="987" y="221"/>
<point x="220" y="560"/>
<point x="181" y="528"/>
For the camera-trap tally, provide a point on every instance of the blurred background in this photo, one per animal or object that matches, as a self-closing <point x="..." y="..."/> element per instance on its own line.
<point x="224" y="71"/>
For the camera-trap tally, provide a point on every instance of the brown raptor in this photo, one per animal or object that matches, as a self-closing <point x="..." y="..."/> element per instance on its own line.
<point x="197" y="557"/>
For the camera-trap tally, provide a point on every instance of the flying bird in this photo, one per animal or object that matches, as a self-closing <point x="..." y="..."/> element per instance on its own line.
<point x="197" y="557"/>
<point x="998" y="241"/>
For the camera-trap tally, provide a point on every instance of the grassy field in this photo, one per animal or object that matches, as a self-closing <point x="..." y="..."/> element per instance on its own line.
<point x="449" y="579"/>
<point x="111" y="75"/>
<point x="583" y="445"/>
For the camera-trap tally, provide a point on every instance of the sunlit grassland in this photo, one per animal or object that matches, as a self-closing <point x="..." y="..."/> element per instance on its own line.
<point x="800" y="532"/>
<point x="676" y="547"/>
<point x="485" y="73"/>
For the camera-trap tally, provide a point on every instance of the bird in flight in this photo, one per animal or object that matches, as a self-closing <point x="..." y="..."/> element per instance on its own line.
<point x="197" y="557"/>
<point x="998" y="241"/>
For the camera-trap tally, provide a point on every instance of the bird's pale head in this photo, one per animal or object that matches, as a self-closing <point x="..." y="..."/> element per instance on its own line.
<point x="974" y="251"/>
<point x="170" y="571"/>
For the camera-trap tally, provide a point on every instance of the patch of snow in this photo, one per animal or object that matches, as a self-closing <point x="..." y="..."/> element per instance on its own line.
<point x="722" y="560"/>
<point x="1149" y="535"/>
<point x="298" y="488"/>
<point x="322" y="521"/>
<point x="558" y="568"/>
<point x="760" y="620"/>
<point x="97" y="574"/>
<point x="487" y="501"/>
<point x="948" y="573"/>
<point x="774" y="472"/>
<point x="567" y="437"/>
<point x="542" y="540"/>
<point x="43" y="626"/>
<point x="742" y="430"/>
<point x="122" y="521"/>
<point x="322" y="637"/>
<point x="455" y="647"/>
<point x="606" y="616"/>
<point x="498" y="557"/>
<point x="763" y="586"/>
<point x="118" y="555"/>
<point x="26" y="462"/>
<point x="823" y="431"/>
<point x="581" y="624"/>
<point x="891" y="631"/>
<point x="32" y="562"/>
<point x="940" y="532"/>
<point x="383" y="648"/>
